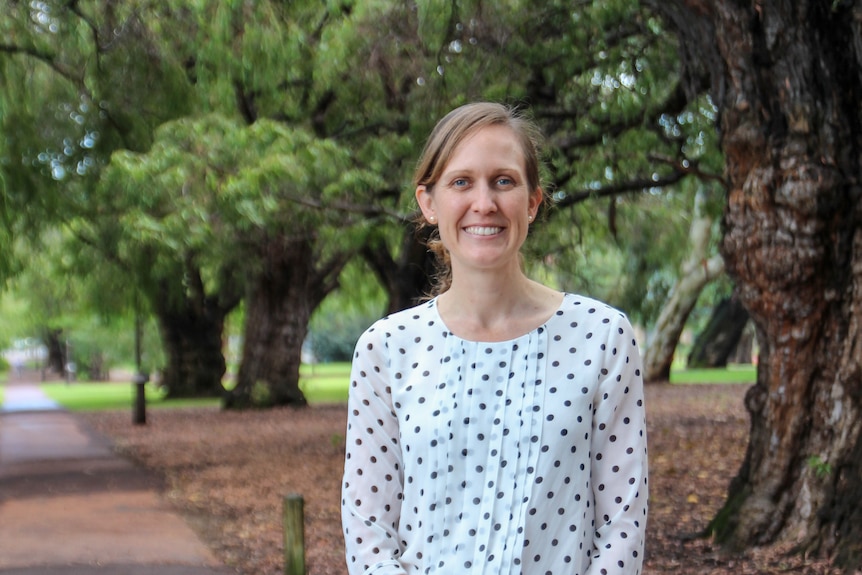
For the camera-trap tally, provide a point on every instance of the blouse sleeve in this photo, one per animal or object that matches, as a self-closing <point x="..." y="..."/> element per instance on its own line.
<point x="372" y="487"/>
<point x="619" y="458"/>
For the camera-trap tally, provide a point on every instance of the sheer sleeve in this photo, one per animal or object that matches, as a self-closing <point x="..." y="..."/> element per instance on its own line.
<point x="619" y="458"/>
<point x="372" y="487"/>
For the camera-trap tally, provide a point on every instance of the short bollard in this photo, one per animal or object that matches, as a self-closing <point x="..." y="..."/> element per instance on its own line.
<point x="294" y="535"/>
<point x="139" y="415"/>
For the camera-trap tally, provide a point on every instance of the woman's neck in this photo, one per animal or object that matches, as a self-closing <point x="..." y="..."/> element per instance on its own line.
<point x="487" y="307"/>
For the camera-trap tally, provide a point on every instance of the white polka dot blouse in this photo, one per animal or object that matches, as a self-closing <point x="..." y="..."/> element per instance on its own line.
<point x="525" y="456"/>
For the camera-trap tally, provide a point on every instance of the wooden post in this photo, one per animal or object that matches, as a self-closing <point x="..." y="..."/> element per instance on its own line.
<point x="139" y="410"/>
<point x="294" y="535"/>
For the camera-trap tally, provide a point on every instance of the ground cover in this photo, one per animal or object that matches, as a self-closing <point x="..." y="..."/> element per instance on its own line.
<point x="229" y="471"/>
<point x="320" y="383"/>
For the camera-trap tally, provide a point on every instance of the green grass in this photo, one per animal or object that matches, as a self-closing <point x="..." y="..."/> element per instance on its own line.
<point x="322" y="383"/>
<point x="86" y="396"/>
<point x="325" y="382"/>
<point x="731" y="374"/>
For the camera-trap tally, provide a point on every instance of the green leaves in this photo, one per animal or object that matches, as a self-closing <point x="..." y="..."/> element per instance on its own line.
<point x="210" y="186"/>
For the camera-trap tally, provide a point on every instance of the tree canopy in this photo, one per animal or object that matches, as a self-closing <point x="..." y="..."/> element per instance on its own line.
<point x="364" y="80"/>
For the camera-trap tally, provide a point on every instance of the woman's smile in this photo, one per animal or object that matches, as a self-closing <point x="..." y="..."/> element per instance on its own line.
<point x="483" y="230"/>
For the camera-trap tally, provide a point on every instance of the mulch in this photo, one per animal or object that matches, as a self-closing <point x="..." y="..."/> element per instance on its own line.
<point x="228" y="472"/>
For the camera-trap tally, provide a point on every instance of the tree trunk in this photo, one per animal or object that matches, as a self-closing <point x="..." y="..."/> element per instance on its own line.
<point x="786" y="77"/>
<point x="719" y="339"/>
<point x="743" y="353"/>
<point x="279" y="305"/>
<point x="56" y="360"/>
<point x="407" y="279"/>
<point x="192" y="338"/>
<point x="697" y="271"/>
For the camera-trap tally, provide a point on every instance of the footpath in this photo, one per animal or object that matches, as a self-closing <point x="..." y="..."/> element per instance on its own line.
<point x="69" y="505"/>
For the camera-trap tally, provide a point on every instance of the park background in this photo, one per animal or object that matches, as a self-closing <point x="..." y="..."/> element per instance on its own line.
<point x="201" y="192"/>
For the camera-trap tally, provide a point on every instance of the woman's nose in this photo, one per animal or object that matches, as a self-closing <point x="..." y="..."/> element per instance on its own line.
<point x="484" y="200"/>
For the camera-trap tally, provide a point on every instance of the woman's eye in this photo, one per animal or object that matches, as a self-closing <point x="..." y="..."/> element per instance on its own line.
<point x="504" y="181"/>
<point x="460" y="183"/>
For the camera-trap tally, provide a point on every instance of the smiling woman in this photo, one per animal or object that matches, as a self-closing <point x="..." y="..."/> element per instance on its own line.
<point x="483" y="203"/>
<point x="499" y="427"/>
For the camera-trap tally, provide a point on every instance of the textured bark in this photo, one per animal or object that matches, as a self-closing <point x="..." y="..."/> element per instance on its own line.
<point x="192" y="332"/>
<point x="720" y="338"/>
<point x="671" y="322"/>
<point x="696" y="272"/>
<point x="405" y="279"/>
<point x="279" y="305"/>
<point x="789" y="88"/>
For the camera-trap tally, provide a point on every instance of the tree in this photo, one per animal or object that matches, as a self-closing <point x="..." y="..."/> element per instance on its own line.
<point x="721" y="336"/>
<point x="696" y="272"/>
<point x="371" y="77"/>
<point x="786" y="78"/>
<point x="69" y="60"/>
<point x="250" y="60"/>
<point x="601" y="81"/>
<point x="243" y="210"/>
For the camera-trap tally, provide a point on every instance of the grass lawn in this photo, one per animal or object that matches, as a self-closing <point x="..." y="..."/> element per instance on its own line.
<point x="321" y="383"/>
<point x="730" y="374"/>
<point x="86" y="396"/>
<point x="324" y="383"/>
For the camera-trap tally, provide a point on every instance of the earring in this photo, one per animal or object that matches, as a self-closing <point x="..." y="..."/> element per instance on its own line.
<point x="530" y="217"/>
<point x="432" y="219"/>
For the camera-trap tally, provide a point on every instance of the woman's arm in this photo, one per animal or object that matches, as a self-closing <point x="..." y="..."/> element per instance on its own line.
<point x="372" y="489"/>
<point x="619" y="458"/>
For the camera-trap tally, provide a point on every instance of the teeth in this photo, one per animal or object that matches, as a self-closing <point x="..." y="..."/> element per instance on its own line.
<point x="483" y="231"/>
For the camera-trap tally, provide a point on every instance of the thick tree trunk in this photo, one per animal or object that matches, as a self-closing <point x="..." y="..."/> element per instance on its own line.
<point x="787" y="78"/>
<point x="56" y="360"/>
<point x="720" y="338"/>
<point x="407" y="279"/>
<point x="192" y="332"/>
<point x="279" y="305"/>
<point x="696" y="272"/>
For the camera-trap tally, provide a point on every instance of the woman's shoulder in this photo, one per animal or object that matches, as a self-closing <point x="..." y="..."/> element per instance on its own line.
<point x="402" y="323"/>
<point x="588" y="305"/>
<point x="582" y="310"/>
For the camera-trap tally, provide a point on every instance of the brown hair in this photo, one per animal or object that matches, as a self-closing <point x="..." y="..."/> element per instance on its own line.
<point x="449" y="132"/>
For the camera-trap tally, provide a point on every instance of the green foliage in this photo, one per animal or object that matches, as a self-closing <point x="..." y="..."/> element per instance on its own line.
<point x="211" y="188"/>
<point x="52" y="295"/>
<point x="822" y="469"/>
<point x="342" y="317"/>
<point x="225" y="122"/>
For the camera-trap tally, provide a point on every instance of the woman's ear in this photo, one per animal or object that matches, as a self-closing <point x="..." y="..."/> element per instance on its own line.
<point x="536" y="201"/>
<point x="424" y="199"/>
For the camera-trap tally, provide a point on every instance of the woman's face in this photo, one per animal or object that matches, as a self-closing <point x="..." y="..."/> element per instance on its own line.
<point x="482" y="203"/>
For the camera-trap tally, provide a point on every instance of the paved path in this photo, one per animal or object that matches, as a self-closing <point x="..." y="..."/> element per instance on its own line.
<point x="70" y="506"/>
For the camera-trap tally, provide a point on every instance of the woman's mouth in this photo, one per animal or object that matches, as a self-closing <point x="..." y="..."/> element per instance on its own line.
<point x="483" y="230"/>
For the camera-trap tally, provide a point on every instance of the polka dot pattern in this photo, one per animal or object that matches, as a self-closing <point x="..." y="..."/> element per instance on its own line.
<point x="526" y="456"/>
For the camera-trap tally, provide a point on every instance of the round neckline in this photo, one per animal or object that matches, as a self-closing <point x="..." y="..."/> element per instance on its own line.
<point x="541" y="325"/>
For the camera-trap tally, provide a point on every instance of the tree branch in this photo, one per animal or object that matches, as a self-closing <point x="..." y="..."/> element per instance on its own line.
<point x="46" y="58"/>
<point x="363" y="210"/>
<point x="636" y="185"/>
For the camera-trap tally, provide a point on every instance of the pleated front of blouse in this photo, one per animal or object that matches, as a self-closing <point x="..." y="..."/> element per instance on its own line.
<point x="478" y="458"/>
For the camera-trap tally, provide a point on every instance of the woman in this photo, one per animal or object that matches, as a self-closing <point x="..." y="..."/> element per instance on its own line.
<point x="499" y="427"/>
